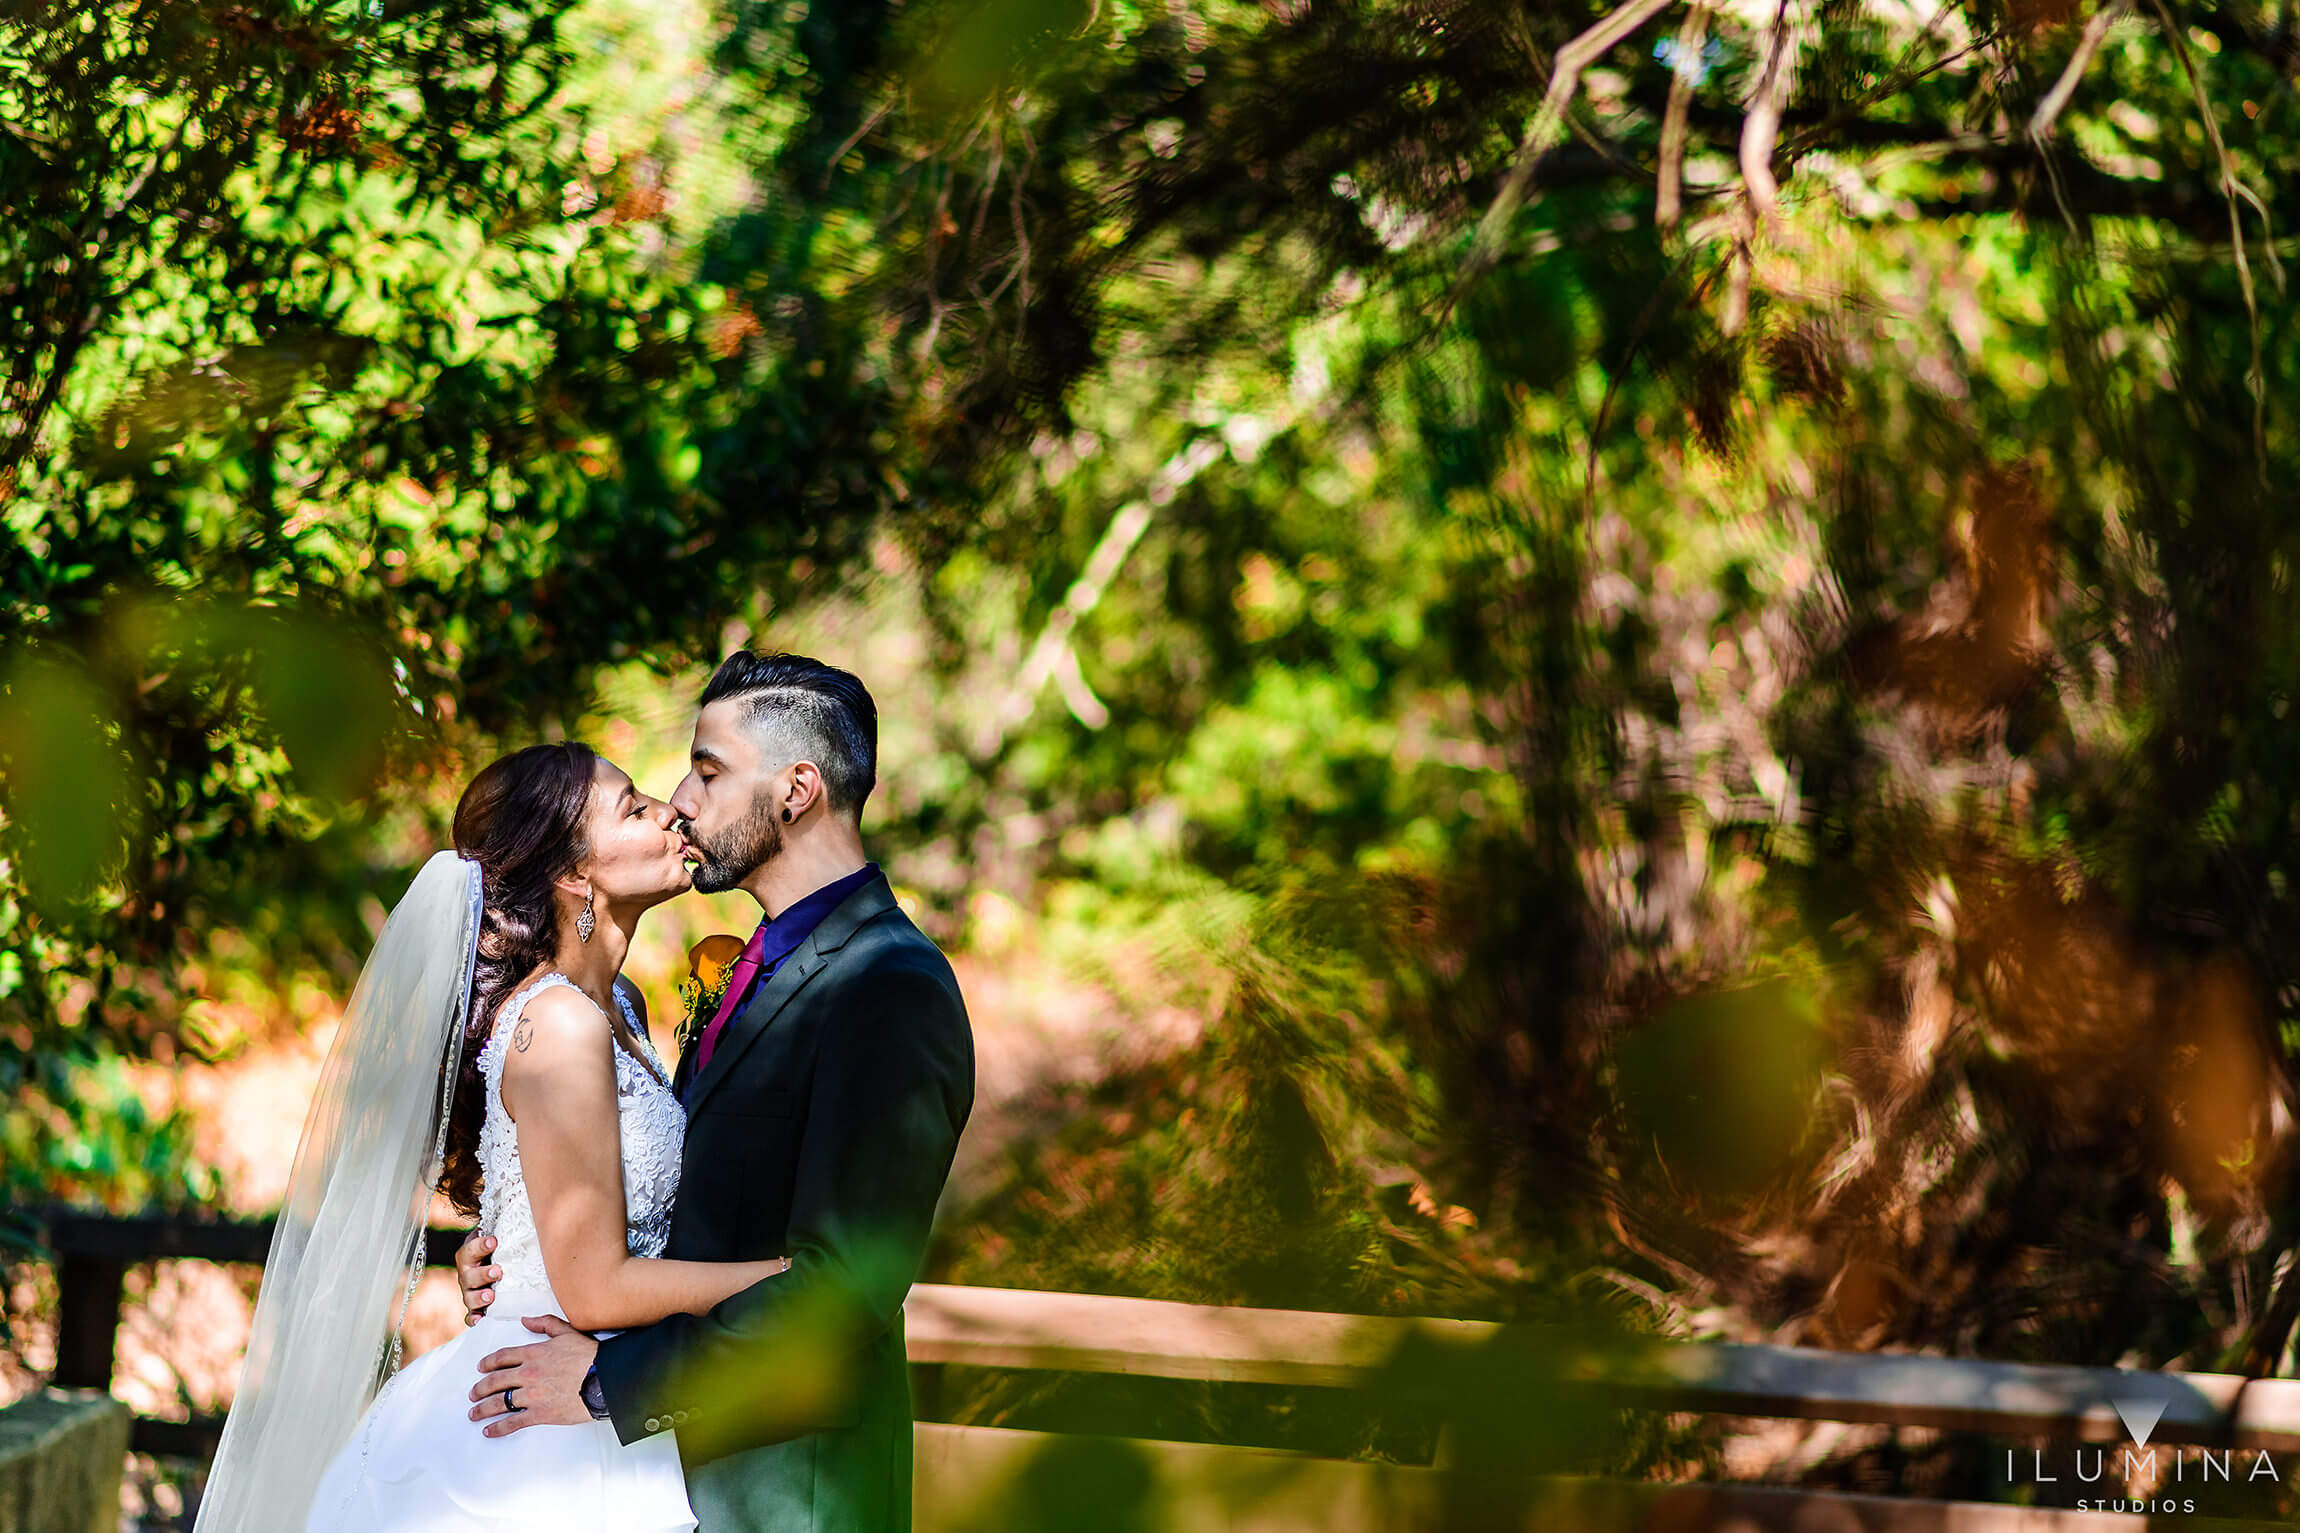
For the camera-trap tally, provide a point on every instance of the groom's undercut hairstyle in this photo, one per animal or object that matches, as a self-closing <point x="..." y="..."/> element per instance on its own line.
<point x="803" y="710"/>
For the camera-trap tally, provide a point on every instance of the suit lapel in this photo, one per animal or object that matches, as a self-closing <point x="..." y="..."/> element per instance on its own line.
<point x="757" y="1015"/>
<point x="767" y="1002"/>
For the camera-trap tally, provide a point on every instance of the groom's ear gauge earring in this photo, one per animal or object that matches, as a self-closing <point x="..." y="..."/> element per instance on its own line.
<point x="586" y="921"/>
<point x="786" y="817"/>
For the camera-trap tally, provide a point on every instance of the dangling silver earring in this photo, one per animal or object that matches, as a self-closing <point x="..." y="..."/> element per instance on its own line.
<point x="585" y="920"/>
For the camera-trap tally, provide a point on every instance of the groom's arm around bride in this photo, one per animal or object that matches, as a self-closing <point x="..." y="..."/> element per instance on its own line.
<point x="852" y="1167"/>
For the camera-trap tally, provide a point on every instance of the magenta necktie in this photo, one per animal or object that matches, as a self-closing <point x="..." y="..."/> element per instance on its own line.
<point x="738" y="985"/>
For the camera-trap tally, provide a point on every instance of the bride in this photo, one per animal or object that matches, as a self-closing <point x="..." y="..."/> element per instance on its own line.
<point x="493" y="1052"/>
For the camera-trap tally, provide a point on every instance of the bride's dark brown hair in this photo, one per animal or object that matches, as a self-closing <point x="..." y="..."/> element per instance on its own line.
<point x="521" y="820"/>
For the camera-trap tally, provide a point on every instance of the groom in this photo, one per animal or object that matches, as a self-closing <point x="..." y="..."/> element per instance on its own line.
<point x="824" y="1101"/>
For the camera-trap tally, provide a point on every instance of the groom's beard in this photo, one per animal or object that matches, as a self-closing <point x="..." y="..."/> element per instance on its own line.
<point x="748" y="845"/>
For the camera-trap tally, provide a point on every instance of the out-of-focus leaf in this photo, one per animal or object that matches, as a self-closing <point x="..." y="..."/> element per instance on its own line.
<point x="330" y="698"/>
<point x="319" y="685"/>
<point x="157" y="414"/>
<point x="64" y="779"/>
<point x="977" y="46"/>
<point x="1720" y="1086"/>
<point x="1075" y="1482"/>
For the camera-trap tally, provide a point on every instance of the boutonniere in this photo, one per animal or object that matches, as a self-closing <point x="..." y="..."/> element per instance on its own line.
<point x="710" y="964"/>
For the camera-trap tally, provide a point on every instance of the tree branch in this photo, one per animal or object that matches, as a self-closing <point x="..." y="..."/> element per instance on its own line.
<point x="2234" y="189"/>
<point x="1050" y="657"/>
<point x="2049" y="109"/>
<point x="1543" y="132"/>
<point x="1692" y="38"/>
<point x="1762" y="128"/>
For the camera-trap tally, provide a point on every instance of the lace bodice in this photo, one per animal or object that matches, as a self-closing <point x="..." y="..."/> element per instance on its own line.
<point x="654" y="1130"/>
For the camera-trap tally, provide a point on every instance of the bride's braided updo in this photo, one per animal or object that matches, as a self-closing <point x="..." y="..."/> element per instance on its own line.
<point x="521" y="820"/>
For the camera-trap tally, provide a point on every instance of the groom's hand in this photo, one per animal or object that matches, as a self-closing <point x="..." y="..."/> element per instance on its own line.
<point x="478" y="1278"/>
<point x="543" y="1382"/>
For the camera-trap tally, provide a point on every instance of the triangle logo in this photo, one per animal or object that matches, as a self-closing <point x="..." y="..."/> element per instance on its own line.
<point x="2140" y="1418"/>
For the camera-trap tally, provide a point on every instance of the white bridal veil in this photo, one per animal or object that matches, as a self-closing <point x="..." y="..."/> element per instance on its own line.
<point x="349" y="1244"/>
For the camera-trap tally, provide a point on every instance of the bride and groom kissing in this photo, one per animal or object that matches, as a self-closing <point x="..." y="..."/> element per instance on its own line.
<point x="685" y="1289"/>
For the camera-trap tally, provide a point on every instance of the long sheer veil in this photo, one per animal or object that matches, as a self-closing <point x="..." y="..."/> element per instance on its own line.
<point x="350" y="1238"/>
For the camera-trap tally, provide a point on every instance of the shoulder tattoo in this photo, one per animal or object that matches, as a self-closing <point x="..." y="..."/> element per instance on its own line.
<point x="523" y="1034"/>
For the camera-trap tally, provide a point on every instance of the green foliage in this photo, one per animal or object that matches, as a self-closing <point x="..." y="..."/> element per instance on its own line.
<point x="364" y="406"/>
<point x="108" y="1150"/>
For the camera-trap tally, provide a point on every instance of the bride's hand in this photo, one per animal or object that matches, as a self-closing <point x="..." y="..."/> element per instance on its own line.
<point x="475" y="1276"/>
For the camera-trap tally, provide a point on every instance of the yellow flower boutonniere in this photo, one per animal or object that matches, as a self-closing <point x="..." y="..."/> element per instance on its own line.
<point x="710" y="963"/>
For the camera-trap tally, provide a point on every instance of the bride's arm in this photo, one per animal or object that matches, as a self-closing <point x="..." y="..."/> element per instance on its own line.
<point x="559" y="1087"/>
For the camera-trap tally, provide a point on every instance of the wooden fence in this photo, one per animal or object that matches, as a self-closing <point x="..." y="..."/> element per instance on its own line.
<point x="93" y="1253"/>
<point x="1091" y="1333"/>
<point x="1097" y="1334"/>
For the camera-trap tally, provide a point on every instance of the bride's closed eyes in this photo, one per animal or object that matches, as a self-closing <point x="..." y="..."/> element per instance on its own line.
<point x="636" y="856"/>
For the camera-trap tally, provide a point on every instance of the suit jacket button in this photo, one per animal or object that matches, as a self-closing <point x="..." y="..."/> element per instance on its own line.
<point x="678" y="1417"/>
<point x="654" y="1424"/>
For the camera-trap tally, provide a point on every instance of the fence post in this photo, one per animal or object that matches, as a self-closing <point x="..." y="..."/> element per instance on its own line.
<point x="926" y="1392"/>
<point x="87" y="1318"/>
<point x="61" y="1453"/>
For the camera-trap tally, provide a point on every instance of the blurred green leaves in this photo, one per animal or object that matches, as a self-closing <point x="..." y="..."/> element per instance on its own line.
<point x="366" y="399"/>
<point x="787" y="1359"/>
<point x="318" y="686"/>
<point x="75" y="787"/>
<point x="70" y="794"/>
<point x="169" y="410"/>
<point x="113" y="1152"/>
<point x="1720" y="1088"/>
<point x="971" y="50"/>
<point x="1519" y="1409"/>
<point x="1076" y="1482"/>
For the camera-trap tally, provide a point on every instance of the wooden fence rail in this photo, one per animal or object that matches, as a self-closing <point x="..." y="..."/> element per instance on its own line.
<point x="93" y="1253"/>
<point x="1093" y="1333"/>
<point x="1100" y="1334"/>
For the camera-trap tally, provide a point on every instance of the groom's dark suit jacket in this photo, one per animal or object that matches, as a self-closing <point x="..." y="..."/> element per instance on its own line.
<point x="822" y="1129"/>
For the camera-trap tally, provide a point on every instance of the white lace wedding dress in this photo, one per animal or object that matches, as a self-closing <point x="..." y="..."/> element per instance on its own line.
<point x="417" y="1463"/>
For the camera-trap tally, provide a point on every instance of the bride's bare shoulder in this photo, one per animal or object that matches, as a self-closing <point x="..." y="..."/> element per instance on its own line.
<point x="555" y="1058"/>
<point x="560" y="1022"/>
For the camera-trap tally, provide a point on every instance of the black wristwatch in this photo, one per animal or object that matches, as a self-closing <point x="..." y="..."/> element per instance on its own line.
<point x="594" y="1396"/>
